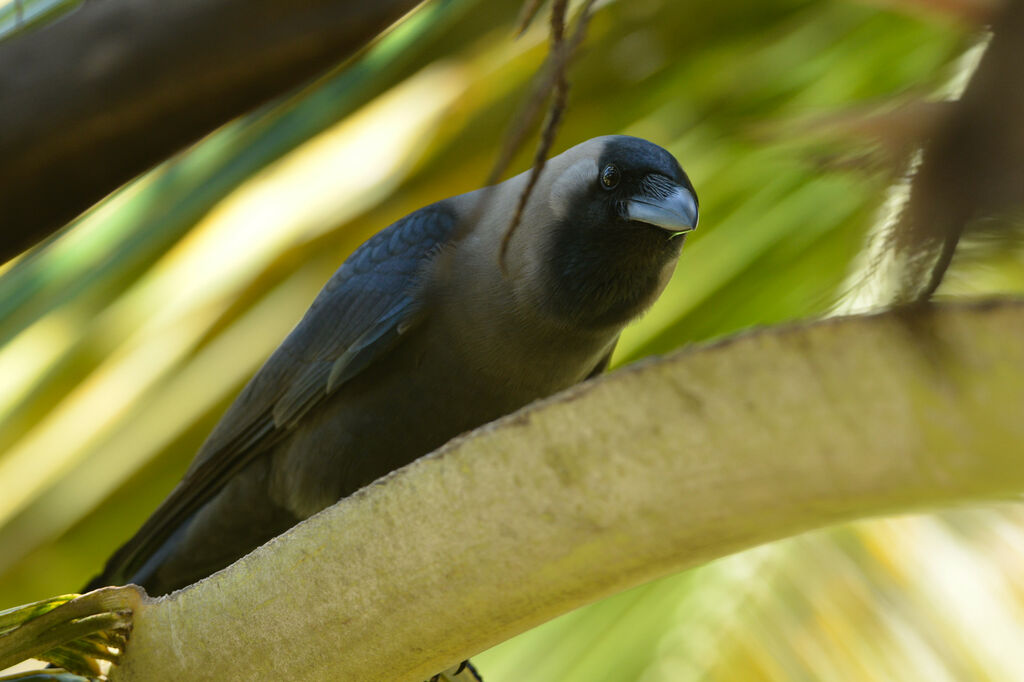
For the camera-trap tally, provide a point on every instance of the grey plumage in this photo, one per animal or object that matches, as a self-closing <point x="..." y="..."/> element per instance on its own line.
<point x="419" y="336"/>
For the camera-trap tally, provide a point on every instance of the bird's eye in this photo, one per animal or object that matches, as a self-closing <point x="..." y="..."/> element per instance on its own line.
<point x="610" y="176"/>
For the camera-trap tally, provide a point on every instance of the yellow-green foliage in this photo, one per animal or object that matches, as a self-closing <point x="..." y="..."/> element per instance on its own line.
<point x="124" y="339"/>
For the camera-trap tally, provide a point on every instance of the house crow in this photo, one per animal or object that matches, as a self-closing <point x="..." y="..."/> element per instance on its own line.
<point x="425" y="332"/>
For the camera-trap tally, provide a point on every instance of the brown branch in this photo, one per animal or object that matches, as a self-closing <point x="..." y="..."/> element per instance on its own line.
<point x="526" y="14"/>
<point x="973" y="167"/>
<point x="556" y="80"/>
<point x="115" y="87"/>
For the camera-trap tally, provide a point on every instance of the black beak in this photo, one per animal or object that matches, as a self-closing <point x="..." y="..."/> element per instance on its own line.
<point x="664" y="204"/>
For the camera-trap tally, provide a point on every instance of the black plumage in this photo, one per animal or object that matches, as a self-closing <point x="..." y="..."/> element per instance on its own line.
<point x="421" y="335"/>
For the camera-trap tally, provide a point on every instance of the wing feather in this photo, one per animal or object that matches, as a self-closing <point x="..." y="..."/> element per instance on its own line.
<point x="362" y="312"/>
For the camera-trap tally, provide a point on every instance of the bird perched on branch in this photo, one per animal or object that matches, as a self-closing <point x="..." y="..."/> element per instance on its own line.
<point x="428" y="330"/>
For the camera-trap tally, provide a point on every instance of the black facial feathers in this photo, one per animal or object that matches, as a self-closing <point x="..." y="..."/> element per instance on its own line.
<point x="602" y="268"/>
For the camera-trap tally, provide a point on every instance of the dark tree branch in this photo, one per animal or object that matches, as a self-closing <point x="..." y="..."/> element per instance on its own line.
<point x="117" y="86"/>
<point x="554" y="83"/>
<point x="973" y="168"/>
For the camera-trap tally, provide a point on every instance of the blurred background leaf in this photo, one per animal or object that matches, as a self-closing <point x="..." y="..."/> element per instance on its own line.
<point x="19" y="15"/>
<point x="126" y="336"/>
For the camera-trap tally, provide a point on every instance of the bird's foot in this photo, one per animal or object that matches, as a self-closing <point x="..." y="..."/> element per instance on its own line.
<point x="463" y="672"/>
